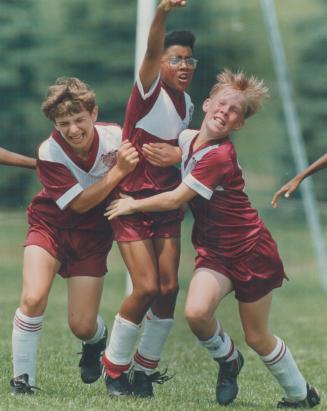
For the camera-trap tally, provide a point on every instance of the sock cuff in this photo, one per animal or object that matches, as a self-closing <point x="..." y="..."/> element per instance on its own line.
<point x="277" y="353"/>
<point x="146" y="361"/>
<point x="213" y="337"/>
<point x="24" y="323"/>
<point x="99" y="333"/>
<point x="112" y="369"/>
<point x="150" y="316"/>
<point x="123" y="320"/>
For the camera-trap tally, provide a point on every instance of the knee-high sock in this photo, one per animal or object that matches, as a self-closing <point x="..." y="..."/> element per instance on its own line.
<point x="25" y="339"/>
<point x="153" y="339"/>
<point x="118" y="354"/>
<point x="101" y="327"/>
<point x="282" y="366"/>
<point x="220" y="345"/>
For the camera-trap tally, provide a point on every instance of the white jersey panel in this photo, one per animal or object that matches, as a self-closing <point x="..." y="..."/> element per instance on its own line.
<point x="110" y="137"/>
<point x="164" y="108"/>
<point x="185" y="139"/>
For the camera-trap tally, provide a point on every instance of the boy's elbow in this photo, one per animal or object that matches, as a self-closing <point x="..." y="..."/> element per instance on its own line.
<point x="174" y="203"/>
<point x="78" y="210"/>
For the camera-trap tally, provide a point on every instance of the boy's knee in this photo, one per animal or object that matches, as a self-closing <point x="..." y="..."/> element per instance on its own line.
<point x="147" y="294"/>
<point x="196" y="315"/>
<point x="169" y="290"/>
<point x="84" y="329"/>
<point x="33" y="304"/>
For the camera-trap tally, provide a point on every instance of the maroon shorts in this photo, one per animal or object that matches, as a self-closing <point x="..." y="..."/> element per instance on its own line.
<point x="253" y="276"/>
<point x="142" y="226"/>
<point x="81" y="253"/>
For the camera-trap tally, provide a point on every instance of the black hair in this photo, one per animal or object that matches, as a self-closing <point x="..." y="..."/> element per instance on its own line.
<point x="180" y="38"/>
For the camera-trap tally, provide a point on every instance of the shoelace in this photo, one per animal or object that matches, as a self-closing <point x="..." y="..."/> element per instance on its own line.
<point x="157" y="377"/>
<point x="24" y="386"/>
<point x="160" y="378"/>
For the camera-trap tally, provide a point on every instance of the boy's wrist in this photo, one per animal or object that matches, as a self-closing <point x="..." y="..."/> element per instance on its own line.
<point x="164" y="6"/>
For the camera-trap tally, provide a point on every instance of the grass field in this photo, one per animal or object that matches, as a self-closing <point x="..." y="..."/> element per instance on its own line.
<point x="298" y="316"/>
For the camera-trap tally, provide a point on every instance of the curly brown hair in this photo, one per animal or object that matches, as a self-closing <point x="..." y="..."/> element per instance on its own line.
<point x="68" y="95"/>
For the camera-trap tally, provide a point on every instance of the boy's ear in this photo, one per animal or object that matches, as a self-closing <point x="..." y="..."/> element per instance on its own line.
<point x="239" y="125"/>
<point x="94" y="114"/>
<point x="205" y="104"/>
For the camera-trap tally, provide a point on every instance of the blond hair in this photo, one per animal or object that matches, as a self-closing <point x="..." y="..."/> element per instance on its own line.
<point x="68" y="95"/>
<point x="253" y="90"/>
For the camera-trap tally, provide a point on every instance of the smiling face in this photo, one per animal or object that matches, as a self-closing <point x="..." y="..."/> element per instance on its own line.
<point x="78" y="130"/>
<point x="177" y="76"/>
<point x="224" y="113"/>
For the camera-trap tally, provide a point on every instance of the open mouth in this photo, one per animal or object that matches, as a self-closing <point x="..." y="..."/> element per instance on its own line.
<point x="184" y="78"/>
<point x="77" y="139"/>
<point x="219" y="120"/>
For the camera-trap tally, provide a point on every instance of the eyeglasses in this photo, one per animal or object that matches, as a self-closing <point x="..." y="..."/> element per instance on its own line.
<point x="176" y="61"/>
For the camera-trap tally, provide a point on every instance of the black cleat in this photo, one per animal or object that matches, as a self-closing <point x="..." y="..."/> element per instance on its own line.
<point x="142" y="383"/>
<point x="312" y="399"/>
<point x="117" y="387"/>
<point x="20" y="385"/>
<point x="90" y="362"/>
<point x="227" y="389"/>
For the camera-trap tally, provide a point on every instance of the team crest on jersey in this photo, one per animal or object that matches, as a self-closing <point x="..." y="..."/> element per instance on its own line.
<point x="109" y="159"/>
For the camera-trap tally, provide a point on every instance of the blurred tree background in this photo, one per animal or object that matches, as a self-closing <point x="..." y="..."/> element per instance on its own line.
<point x="41" y="40"/>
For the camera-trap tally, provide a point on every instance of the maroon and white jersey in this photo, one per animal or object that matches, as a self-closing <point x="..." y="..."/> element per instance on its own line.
<point x="64" y="176"/>
<point x="158" y="115"/>
<point x="225" y="223"/>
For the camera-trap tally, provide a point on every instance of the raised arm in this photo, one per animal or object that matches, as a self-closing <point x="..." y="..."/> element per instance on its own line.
<point x="127" y="159"/>
<point x="169" y="200"/>
<point x="293" y="184"/>
<point x="10" y="158"/>
<point x="151" y="63"/>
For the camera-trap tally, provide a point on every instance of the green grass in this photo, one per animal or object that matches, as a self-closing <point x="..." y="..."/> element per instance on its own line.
<point x="298" y="316"/>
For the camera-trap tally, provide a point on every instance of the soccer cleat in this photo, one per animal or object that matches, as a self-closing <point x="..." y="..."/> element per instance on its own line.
<point x="20" y="385"/>
<point x="312" y="399"/>
<point x="90" y="362"/>
<point x="117" y="387"/>
<point x="142" y="383"/>
<point x="227" y="389"/>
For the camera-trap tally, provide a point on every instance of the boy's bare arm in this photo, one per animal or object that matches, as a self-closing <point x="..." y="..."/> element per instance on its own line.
<point x="151" y="63"/>
<point x="127" y="159"/>
<point x="293" y="184"/>
<point x="10" y="158"/>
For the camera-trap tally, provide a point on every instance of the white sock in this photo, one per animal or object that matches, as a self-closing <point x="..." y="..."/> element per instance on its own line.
<point x="101" y="327"/>
<point x="220" y="345"/>
<point x="283" y="367"/>
<point x="25" y="339"/>
<point x="153" y="339"/>
<point x="122" y="342"/>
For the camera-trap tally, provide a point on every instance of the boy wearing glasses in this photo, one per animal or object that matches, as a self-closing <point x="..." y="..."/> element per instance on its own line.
<point x="157" y="111"/>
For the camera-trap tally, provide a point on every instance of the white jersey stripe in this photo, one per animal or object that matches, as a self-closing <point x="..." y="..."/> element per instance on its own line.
<point x="144" y="94"/>
<point x="69" y="195"/>
<point x="195" y="185"/>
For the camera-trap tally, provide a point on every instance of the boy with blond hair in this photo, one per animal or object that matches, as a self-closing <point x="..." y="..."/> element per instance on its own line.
<point x="235" y="251"/>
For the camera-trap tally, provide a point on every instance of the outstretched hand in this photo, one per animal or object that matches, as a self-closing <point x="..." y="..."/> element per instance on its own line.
<point x="287" y="190"/>
<point x="122" y="206"/>
<point x="168" y="5"/>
